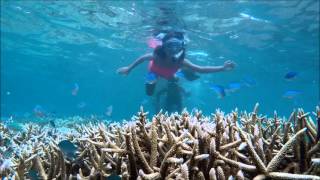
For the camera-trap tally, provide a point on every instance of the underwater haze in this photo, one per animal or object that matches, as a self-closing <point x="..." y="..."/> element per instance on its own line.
<point x="60" y="57"/>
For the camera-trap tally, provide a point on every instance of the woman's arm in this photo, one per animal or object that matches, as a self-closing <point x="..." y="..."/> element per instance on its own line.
<point x="228" y="65"/>
<point x="127" y="69"/>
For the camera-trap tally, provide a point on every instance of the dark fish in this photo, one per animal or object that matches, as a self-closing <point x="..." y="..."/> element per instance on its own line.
<point x="8" y="153"/>
<point x="290" y="75"/>
<point x="33" y="174"/>
<point x="68" y="148"/>
<point x="114" y="177"/>
<point x="7" y="142"/>
<point x="52" y="123"/>
<point x="318" y="121"/>
<point x="219" y="90"/>
<point x="50" y="133"/>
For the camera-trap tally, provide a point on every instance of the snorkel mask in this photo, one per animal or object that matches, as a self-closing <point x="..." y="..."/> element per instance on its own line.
<point x="174" y="47"/>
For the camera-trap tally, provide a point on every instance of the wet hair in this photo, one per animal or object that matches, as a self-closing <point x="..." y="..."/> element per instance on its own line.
<point x="159" y="51"/>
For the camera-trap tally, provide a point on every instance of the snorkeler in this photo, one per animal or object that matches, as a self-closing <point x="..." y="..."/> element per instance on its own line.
<point x="169" y="57"/>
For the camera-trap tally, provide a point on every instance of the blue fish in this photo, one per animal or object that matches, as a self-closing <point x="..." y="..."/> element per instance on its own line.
<point x="151" y="77"/>
<point x="249" y="81"/>
<point x="291" y="94"/>
<point x="234" y="86"/>
<point x="68" y="148"/>
<point x="38" y="108"/>
<point x="81" y="105"/>
<point x="75" y="90"/>
<point x="290" y="75"/>
<point x="180" y="74"/>
<point x="219" y="90"/>
<point x="33" y="174"/>
<point x="114" y="177"/>
<point x="39" y="111"/>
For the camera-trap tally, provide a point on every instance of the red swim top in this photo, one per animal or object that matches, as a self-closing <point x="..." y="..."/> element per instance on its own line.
<point x="165" y="72"/>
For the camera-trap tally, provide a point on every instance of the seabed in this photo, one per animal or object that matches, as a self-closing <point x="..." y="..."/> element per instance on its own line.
<point x="237" y="145"/>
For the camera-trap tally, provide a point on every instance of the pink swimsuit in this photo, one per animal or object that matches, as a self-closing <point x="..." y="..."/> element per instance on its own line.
<point x="165" y="72"/>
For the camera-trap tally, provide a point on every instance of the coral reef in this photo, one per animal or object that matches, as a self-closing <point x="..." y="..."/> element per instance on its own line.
<point x="238" y="145"/>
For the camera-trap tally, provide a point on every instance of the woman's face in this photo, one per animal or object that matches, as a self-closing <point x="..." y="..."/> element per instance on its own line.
<point x="173" y="47"/>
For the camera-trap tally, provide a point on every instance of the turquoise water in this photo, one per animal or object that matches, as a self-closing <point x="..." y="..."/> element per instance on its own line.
<point x="47" y="47"/>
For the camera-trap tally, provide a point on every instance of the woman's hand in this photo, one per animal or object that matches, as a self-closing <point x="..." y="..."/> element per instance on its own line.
<point x="124" y="70"/>
<point x="228" y="65"/>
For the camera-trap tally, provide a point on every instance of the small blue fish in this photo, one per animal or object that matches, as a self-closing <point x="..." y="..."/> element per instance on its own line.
<point x="68" y="148"/>
<point x="114" y="177"/>
<point x="151" y="77"/>
<point x="219" y="90"/>
<point x="39" y="111"/>
<point x="291" y="94"/>
<point x="33" y="174"/>
<point x="249" y="81"/>
<point x="75" y="89"/>
<point x="81" y="105"/>
<point x="109" y="111"/>
<point x="290" y="75"/>
<point x="234" y="86"/>
<point x="144" y="101"/>
<point x="179" y="74"/>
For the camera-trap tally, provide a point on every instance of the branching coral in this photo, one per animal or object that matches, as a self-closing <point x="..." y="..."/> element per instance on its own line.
<point x="187" y="146"/>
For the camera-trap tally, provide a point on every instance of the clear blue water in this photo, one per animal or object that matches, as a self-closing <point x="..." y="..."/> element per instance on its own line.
<point x="48" y="46"/>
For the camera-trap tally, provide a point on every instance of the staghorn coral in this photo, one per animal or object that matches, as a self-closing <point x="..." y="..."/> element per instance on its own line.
<point x="177" y="146"/>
